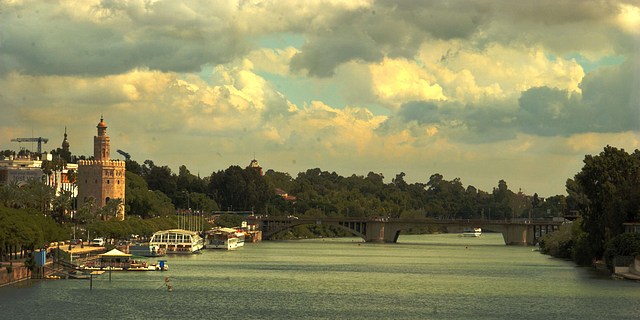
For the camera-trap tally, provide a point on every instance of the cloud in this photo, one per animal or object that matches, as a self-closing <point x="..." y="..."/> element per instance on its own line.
<point x="111" y="37"/>
<point x="396" y="81"/>
<point x="606" y="101"/>
<point x="470" y="89"/>
<point x="549" y="111"/>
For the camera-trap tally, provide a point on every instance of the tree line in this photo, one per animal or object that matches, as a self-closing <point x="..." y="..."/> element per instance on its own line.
<point x="321" y="193"/>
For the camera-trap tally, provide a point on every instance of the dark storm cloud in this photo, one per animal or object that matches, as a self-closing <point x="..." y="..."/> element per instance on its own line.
<point x="111" y="38"/>
<point x="322" y="55"/>
<point x="390" y="28"/>
<point x="399" y="28"/>
<point x="610" y="102"/>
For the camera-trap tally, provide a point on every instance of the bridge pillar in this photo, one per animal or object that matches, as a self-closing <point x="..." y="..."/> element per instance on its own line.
<point x="518" y="234"/>
<point x="375" y="232"/>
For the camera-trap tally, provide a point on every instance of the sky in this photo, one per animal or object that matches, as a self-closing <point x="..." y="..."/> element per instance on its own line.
<point x="477" y="90"/>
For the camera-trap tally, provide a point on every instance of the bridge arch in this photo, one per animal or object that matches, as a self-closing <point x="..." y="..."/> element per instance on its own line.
<point x="357" y="230"/>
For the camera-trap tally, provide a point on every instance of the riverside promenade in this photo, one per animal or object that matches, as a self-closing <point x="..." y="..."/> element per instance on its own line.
<point x="19" y="272"/>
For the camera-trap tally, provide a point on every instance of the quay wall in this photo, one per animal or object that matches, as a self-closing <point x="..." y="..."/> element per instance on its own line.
<point x="19" y="273"/>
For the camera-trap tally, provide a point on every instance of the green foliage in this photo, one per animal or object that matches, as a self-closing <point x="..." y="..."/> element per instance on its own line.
<point x="607" y="193"/>
<point x="131" y="225"/>
<point x="310" y="231"/>
<point x="143" y="202"/>
<point x="568" y="242"/>
<point x="582" y="252"/>
<point x="30" y="262"/>
<point x="626" y="244"/>
<point x="25" y="230"/>
<point x="160" y="178"/>
<point x="229" y="220"/>
<point x="240" y="189"/>
<point x="35" y="194"/>
<point x="558" y="244"/>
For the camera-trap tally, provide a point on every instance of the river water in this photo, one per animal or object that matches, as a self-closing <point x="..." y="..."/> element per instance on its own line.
<point x="421" y="277"/>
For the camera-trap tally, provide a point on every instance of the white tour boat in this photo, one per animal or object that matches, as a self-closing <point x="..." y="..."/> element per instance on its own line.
<point x="177" y="241"/>
<point x="224" y="238"/>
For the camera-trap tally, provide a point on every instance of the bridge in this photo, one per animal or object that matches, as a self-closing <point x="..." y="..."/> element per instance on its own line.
<point x="387" y="230"/>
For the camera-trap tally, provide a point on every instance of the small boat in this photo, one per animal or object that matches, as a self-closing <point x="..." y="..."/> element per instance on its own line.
<point x="177" y="241"/>
<point x="146" y="250"/>
<point x="472" y="232"/>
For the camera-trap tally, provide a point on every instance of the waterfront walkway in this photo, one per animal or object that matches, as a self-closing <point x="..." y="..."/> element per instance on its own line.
<point x="74" y="253"/>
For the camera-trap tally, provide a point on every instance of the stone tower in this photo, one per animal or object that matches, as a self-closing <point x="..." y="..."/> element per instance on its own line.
<point x="102" y="179"/>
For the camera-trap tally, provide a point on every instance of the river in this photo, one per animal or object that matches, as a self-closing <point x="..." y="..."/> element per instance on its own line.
<point x="421" y="277"/>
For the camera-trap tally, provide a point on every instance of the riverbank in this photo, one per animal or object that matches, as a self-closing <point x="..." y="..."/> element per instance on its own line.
<point x="18" y="272"/>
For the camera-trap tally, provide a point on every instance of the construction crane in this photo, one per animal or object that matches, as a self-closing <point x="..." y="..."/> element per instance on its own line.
<point x="39" y="140"/>
<point x="126" y="155"/>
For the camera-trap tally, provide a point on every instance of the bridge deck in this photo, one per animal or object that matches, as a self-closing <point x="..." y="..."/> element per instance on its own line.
<point x="388" y="229"/>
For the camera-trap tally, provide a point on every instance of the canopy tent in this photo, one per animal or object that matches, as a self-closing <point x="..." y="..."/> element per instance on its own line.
<point x="115" y="253"/>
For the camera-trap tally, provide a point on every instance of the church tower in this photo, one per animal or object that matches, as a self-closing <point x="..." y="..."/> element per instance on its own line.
<point x="65" y="153"/>
<point x="102" y="179"/>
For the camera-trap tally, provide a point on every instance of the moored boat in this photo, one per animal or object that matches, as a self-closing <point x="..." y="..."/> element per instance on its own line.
<point x="177" y="241"/>
<point x="146" y="250"/>
<point x="116" y="260"/>
<point x="224" y="238"/>
<point x="472" y="232"/>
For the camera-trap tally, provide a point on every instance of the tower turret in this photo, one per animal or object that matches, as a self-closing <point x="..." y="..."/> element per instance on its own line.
<point x="101" y="142"/>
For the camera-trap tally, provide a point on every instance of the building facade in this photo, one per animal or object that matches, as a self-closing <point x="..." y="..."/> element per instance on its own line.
<point x="20" y="170"/>
<point x="102" y="179"/>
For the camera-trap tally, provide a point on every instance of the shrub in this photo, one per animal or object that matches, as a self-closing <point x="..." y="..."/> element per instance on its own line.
<point x="626" y="244"/>
<point x="558" y="243"/>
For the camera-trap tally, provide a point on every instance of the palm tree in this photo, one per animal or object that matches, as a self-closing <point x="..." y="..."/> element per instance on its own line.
<point x="10" y="195"/>
<point x="85" y="213"/>
<point x="111" y="209"/>
<point x="62" y="205"/>
<point x="52" y="168"/>
<point x="39" y="196"/>
<point x="72" y="176"/>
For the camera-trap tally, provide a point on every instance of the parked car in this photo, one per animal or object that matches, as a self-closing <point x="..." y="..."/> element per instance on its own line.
<point x="98" y="242"/>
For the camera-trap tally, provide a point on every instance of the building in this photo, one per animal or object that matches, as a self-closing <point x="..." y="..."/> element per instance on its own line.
<point x="20" y="170"/>
<point x="255" y="166"/>
<point x="102" y="179"/>
<point x="285" y="195"/>
<point x="631" y="227"/>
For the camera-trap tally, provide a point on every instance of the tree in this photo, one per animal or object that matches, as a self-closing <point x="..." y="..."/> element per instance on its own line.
<point x="85" y="214"/>
<point x="62" y="205"/>
<point x="607" y="190"/>
<point x="111" y="209"/>
<point x="143" y="202"/>
<point x="159" y="178"/>
<point x="239" y="189"/>
<point x="38" y="195"/>
<point x="52" y="167"/>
